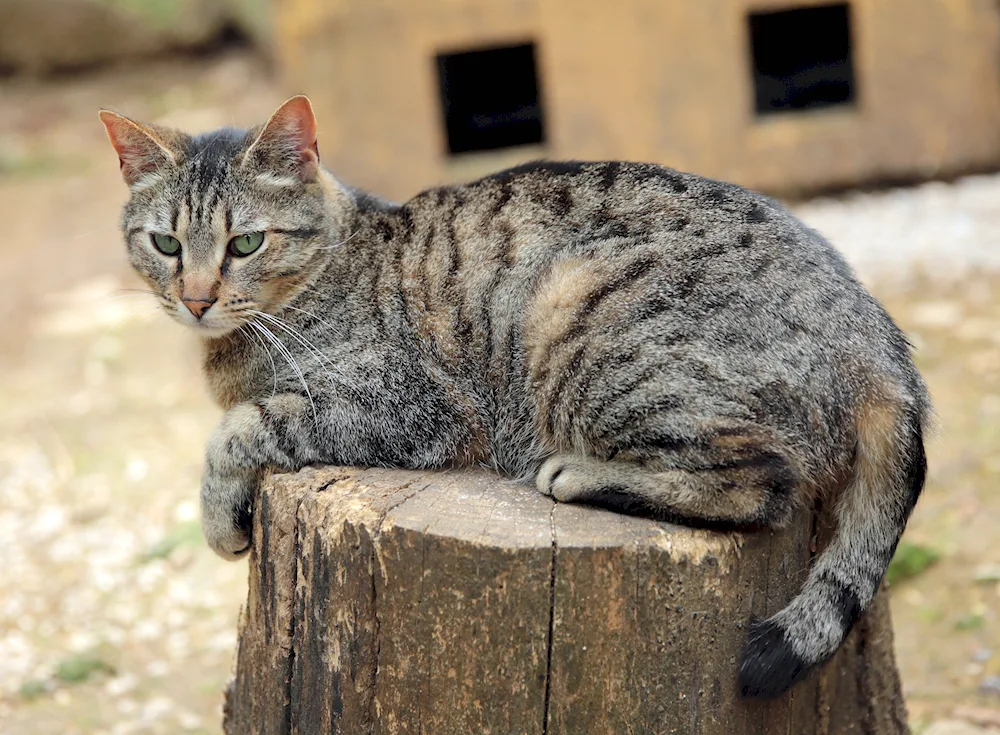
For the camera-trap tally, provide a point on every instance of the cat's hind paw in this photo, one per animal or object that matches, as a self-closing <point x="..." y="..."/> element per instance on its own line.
<point x="565" y="477"/>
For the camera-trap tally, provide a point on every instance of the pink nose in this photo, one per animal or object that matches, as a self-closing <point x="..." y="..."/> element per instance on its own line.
<point x="198" y="307"/>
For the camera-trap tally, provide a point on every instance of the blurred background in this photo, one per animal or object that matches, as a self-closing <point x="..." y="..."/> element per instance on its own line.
<point x="877" y="120"/>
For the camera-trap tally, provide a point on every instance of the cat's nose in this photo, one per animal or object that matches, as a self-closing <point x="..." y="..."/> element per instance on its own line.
<point x="198" y="307"/>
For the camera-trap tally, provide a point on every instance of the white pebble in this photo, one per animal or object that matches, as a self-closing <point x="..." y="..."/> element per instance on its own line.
<point x="137" y="469"/>
<point x="121" y="685"/>
<point x="186" y="511"/>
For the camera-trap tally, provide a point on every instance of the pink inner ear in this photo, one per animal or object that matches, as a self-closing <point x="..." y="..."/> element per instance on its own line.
<point x="138" y="152"/>
<point x="293" y="129"/>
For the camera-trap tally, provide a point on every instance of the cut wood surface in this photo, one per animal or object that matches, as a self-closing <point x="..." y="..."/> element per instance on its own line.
<point x="458" y="603"/>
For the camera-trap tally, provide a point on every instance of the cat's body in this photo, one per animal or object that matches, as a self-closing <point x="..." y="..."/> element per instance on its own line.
<point x="624" y="334"/>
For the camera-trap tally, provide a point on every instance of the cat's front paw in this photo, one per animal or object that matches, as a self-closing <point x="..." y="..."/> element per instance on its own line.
<point x="226" y="539"/>
<point x="227" y="514"/>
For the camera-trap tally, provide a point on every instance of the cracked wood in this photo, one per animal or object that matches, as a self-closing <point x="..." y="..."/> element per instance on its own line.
<point x="452" y="603"/>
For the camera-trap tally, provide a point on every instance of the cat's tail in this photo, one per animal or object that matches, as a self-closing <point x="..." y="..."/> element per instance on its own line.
<point x="887" y="478"/>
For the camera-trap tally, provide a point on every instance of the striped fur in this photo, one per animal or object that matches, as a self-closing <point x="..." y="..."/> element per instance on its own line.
<point x="624" y="334"/>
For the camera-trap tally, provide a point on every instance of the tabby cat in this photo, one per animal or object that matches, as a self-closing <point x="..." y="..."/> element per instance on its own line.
<point x="626" y="335"/>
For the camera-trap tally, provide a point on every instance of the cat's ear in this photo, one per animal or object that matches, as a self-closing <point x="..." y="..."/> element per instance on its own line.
<point x="142" y="154"/>
<point x="287" y="143"/>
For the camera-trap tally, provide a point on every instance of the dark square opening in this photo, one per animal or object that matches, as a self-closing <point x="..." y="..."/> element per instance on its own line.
<point x="802" y="58"/>
<point x="490" y="98"/>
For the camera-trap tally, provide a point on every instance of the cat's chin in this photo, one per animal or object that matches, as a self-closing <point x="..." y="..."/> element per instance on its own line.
<point x="206" y="331"/>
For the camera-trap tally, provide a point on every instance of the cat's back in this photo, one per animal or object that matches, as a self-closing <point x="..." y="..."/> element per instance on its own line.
<point x="589" y="208"/>
<point x="572" y="274"/>
<point x="708" y="242"/>
<point x="707" y="266"/>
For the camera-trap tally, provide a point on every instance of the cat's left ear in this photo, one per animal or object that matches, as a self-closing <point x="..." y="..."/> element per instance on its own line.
<point x="287" y="143"/>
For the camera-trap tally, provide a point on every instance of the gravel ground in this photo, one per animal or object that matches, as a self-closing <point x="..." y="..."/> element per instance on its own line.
<point x="940" y="229"/>
<point x="114" y="618"/>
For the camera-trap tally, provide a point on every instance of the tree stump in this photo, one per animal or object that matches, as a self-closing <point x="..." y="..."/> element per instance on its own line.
<point x="458" y="603"/>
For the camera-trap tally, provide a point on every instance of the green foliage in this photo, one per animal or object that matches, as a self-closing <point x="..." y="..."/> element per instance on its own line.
<point x="36" y="164"/>
<point x="32" y="689"/>
<point x="186" y="534"/>
<point x="26" y="166"/>
<point x="910" y="561"/>
<point x="930" y="614"/>
<point x="970" y="621"/>
<point x="79" y="668"/>
<point x="162" y="12"/>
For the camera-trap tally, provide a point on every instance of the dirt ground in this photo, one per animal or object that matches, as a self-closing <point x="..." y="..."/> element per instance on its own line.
<point x="115" y="618"/>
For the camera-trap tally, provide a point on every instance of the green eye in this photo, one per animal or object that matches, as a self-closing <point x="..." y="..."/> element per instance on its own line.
<point x="166" y="244"/>
<point x="246" y="244"/>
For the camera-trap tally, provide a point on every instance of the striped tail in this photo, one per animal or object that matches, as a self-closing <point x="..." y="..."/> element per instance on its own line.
<point x="888" y="476"/>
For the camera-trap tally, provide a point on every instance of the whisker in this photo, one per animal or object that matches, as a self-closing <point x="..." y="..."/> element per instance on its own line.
<point x="286" y="353"/>
<point x="312" y="291"/>
<point x="118" y="322"/>
<point x="308" y="313"/>
<point x="263" y="346"/>
<point x="301" y="339"/>
<point x="323" y="360"/>
<point x="98" y="231"/>
<point x="301" y="311"/>
<point x="136" y="294"/>
<point x="342" y="242"/>
<point x="324" y="372"/>
<point x="207" y="146"/>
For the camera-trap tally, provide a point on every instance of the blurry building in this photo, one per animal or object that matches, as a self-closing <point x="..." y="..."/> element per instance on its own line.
<point x="787" y="96"/>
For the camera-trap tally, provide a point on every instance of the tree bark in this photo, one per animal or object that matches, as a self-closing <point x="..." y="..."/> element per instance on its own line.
<point x="457" y="603"/>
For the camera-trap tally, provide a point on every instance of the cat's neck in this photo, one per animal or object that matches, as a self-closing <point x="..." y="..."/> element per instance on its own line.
<point x="226" y="362"/>
<point x="342" y="214"/>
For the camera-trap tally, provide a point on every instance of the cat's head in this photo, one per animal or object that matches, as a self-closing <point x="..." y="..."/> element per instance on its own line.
<point x="230" y="222"/>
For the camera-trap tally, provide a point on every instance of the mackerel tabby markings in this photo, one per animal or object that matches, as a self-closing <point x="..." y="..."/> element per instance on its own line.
<point x="624" y="334"/>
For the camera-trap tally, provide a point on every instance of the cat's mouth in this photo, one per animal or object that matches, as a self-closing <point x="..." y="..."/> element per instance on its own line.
<point x="210" y="322"/>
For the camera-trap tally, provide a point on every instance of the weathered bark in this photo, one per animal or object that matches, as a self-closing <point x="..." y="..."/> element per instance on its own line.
<point x="456" y="603"/>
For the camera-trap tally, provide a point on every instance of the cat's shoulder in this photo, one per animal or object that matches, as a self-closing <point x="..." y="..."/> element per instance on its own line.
<point x="368" y="203"/>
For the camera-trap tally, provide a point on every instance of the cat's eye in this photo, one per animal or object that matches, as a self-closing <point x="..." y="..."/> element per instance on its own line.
<point x="246" y="244"/>
<point x="165" y="243"/>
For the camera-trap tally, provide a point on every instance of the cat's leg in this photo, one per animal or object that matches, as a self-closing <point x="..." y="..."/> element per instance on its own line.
<point x="377" y="428"/>
<point x="277" y="432"/>
<point x="727" y="481"/>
